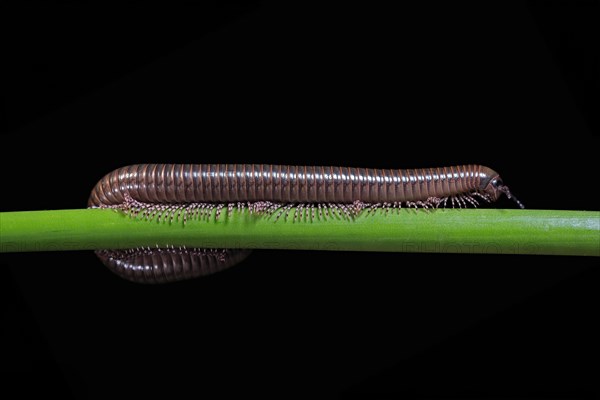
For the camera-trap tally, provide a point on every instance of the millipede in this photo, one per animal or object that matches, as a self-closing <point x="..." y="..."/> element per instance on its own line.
<point x="188" y="191"/>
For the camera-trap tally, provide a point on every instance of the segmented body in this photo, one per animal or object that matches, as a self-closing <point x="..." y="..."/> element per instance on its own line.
<point x="218" y="183"/>
<point x="189" y="190"/>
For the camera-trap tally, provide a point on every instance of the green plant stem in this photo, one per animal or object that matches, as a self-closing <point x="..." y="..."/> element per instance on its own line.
<point x="494" y="231"/>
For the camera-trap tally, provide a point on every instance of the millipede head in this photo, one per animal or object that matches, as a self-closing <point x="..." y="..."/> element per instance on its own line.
<point x="495" y="187"/>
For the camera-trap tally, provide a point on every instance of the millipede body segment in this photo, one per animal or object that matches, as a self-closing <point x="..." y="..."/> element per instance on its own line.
<point x="159" y="190"/>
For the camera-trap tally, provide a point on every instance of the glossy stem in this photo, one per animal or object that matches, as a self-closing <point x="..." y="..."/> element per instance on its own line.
<point x="495" y="231"/>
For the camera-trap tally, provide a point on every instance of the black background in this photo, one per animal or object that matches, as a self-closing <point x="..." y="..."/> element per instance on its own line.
<point x="509" y="85"/>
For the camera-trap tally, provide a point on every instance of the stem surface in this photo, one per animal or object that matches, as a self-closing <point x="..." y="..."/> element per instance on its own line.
<point x="493" y="231"/>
